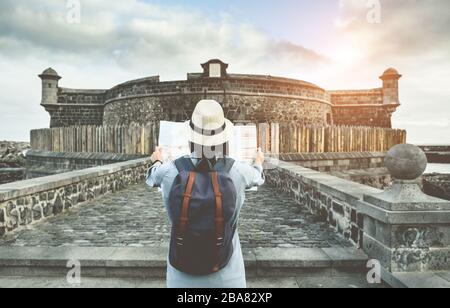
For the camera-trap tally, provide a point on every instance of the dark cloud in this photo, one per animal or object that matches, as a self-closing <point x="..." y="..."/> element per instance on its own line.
<point x="134" y="34"/>
<point x="117" y="41"/>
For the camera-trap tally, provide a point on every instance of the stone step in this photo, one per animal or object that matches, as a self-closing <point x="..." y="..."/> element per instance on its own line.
<point x="151" y="262"/>
<point x="255" y="282"/>
<point x="419" y="280"/>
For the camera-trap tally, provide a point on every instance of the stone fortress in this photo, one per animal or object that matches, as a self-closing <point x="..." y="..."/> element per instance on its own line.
<point x="245" y="98"/>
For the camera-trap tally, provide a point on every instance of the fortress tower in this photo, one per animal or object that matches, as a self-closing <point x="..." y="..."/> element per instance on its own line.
<point x="390" y="86"/>
<point x="371" y="107"/>
<point x="50" y="79"/>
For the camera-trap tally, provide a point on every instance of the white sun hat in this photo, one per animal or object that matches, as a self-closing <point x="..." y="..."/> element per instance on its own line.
<point x="208" y="125"/>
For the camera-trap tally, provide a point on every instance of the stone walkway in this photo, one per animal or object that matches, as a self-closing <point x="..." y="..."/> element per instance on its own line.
<point x="136" y="218"/>
<point x="292" y="282"/>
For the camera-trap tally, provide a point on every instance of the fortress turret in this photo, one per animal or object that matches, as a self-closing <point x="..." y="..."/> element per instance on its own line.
<point x="215" y="69"/>
<point x="50" y="79"/>
<point x="390" y="86"/>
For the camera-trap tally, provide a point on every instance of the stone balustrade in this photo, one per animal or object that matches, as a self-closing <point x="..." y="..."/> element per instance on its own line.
<point x="402" y="228"/>
<point x="26" y="202"/>
<point x="332" y="199"/>
<point x="43" y="163"/>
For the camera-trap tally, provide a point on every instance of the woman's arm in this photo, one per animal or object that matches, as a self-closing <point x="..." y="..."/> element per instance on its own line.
<point x="253" y="175"/>
<point x="156" y="172"/>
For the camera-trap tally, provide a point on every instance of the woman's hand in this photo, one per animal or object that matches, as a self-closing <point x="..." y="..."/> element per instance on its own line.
<point x="157" y="155"/>
<point x="260" y="158"/>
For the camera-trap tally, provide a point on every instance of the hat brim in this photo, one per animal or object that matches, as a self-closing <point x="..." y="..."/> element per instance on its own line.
<point x="209" y="141"/>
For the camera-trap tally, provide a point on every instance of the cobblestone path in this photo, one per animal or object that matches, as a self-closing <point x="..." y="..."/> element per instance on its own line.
<point x="136" y="217"/>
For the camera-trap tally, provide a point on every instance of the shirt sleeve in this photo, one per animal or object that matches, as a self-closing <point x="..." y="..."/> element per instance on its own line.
<point x="156" y="174"/>
<point x="252" y="175"/>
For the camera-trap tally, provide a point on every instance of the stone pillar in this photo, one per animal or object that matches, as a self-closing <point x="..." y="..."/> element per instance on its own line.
<point x="406" y="230"/>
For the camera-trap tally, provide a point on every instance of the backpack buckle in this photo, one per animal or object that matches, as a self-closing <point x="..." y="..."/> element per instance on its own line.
<point x="180" y="241"/>
<point x="220" y="241"/>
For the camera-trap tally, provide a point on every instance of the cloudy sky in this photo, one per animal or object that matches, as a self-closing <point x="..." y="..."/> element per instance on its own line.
<point x="335" y="44"/>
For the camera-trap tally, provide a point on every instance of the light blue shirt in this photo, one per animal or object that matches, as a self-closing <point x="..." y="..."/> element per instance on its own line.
<point x="244" y="177"/>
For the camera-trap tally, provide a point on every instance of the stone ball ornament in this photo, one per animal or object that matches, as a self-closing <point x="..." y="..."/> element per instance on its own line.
<point x="406" y="162"/>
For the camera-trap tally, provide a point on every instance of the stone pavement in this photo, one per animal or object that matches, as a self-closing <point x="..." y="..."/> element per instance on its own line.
<point x="292" y="282"/>
<point x="146" y="266"/>
<point x="121" y="240"/>
<point x="136" y="217"/>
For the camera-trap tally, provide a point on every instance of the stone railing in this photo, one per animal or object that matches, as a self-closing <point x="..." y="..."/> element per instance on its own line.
<point x="329" y="162"/>
<point x="8" y="175"/>
<point x="402" y="228"/>
<point x="26" y="202"/>
<point x="42" y="163"/>
<point x="332" y="199"/>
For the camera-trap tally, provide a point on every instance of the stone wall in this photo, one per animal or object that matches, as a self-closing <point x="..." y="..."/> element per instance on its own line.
<point x="377" y="116"/>
<point x="244" y="98"/>
<point x="365" y="168"/>
<point x="67" y="115"/>
<point x="330" y="198"/>
<point x="357" y="97"/>
<point x="239" y="109"/>
<point x="404" y="235"/>
<point x="374" y="177"/>
<point x="80" y="97"/>
<point x="361" y="108"/>
<point x="26" y="202"/>
<point x="76" y="107"/>
<point x="329" y="162"/>
<point x="8" y="175"/>
<point x="42" y="163"/>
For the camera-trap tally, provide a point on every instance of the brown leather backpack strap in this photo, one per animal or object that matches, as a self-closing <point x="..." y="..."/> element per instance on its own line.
<point x="220" y="228"/>
<point x="184" y="217"/>
<point x="219" y="209"/>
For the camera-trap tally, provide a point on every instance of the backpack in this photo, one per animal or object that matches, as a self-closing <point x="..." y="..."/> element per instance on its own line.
<point x="202" y="206"/>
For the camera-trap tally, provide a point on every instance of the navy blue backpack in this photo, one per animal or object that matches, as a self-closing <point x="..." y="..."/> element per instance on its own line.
<point x="202" y="206"/>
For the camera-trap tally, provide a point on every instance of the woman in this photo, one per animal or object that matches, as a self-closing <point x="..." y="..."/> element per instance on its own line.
<point x="209" y="137"/>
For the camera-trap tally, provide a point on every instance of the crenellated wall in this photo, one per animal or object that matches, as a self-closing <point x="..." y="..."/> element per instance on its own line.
<point x="76" y="107"/>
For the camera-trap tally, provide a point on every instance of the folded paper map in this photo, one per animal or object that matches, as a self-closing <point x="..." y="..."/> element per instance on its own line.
<point x="173" y="137"/>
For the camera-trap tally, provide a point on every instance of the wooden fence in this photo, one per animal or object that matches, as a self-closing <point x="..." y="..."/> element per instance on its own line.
<point x="285" y="138"/>
<point x="133" y="139"/>
<point x="274" y="138"/>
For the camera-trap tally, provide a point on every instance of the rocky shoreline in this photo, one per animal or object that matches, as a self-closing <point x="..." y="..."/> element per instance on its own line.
<point x="437" y="154"/>
<point x="12" y="161"/>
<point x="437" y="185"/>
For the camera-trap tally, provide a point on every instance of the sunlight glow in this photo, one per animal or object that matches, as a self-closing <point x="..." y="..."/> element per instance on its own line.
<point x="347" y="54"/>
